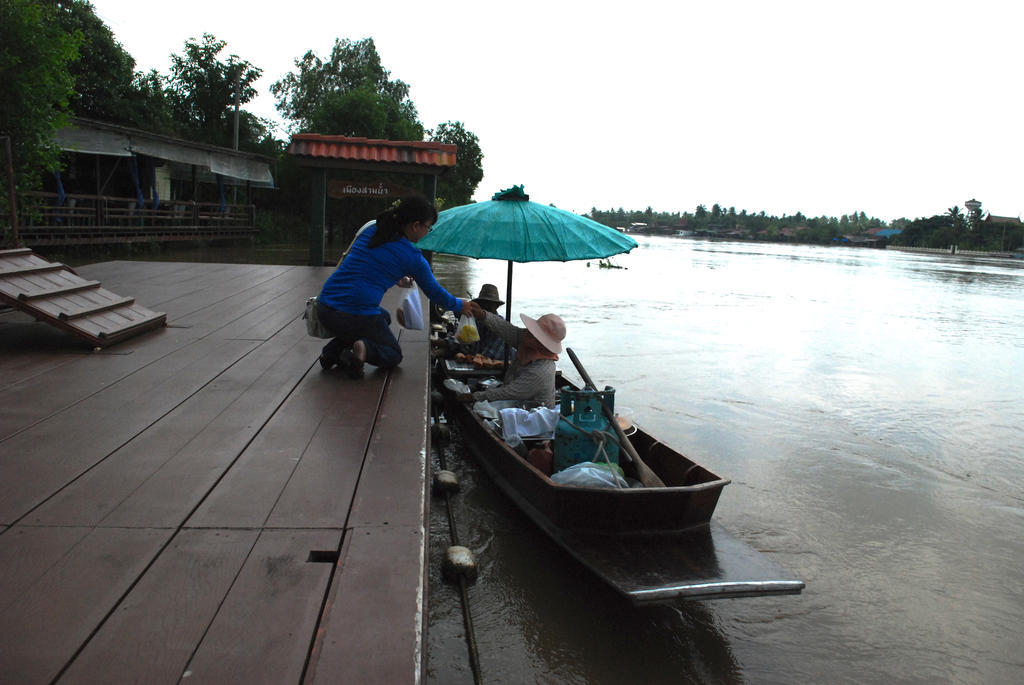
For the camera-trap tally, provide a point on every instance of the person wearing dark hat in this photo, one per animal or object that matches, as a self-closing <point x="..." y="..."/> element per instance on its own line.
<point x="490" y="344"/>
<point x="489" y="298"/>
<point x="531" y="377"/>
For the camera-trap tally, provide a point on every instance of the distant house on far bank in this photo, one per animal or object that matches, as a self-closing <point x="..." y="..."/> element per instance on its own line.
<point x="860" y="241"/>
<point x="791" y="231"/>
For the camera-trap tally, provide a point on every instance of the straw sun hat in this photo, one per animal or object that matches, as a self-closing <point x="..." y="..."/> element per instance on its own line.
<point x="548" y="329"/>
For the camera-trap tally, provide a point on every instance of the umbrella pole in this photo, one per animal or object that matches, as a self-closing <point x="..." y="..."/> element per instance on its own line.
<point x="508" y="306"/>
<point x="508" y="293"/>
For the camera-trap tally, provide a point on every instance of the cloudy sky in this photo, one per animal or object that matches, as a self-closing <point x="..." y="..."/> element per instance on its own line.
<point x="895" y="108"/>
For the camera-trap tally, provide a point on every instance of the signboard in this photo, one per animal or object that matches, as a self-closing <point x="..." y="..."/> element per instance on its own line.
<point x="342" y="189"/>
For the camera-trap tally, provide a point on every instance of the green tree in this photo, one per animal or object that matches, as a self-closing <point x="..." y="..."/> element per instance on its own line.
<point x="147" y="104"/>
<point x="458" y="185"/>
<point x="202" y="90"/>
<point x="37" y="87"/>
<point x="363" y="112"/>
<point x="104" y="71"/>
<point x="106" y="86"/>
<point x="935" y="231"/>
<point x="959" y="222"/>
<point x="350" y="93"/>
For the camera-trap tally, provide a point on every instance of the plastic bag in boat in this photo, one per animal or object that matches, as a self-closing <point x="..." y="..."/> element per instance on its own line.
<point x="485" y="409"/>
<point x="467" y="332"/>
<point x="589" y="474"/>
<point x="455" y="386"/>
<point x="489" y="408"/>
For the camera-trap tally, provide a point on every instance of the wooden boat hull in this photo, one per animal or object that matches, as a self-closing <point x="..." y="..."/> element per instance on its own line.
<point x="651" y="544"/>
<point x="606" y="511"/>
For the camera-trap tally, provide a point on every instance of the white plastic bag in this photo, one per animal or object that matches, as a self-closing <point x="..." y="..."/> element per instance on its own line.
<point x="589" y="474"/>
<point x="410" y="310"/>
<point x="485" y="409"/>
<point x="313" y="325"/>
<point x="457" y="387"/>
<point x="467" y="331"/>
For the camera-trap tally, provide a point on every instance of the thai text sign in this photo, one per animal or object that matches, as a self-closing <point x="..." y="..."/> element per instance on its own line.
<point x="341" y="189"/>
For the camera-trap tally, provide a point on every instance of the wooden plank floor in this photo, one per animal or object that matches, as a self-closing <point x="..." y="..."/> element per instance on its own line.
<point x="202" y="502"/>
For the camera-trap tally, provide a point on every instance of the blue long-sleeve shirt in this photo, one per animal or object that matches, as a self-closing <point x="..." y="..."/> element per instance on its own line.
<point x="358" y="284"/>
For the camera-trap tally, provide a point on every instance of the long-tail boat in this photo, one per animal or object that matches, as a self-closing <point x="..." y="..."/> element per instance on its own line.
<point x="653" y="543"/>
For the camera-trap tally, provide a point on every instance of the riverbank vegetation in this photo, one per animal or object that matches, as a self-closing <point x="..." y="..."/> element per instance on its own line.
<point x="973" y="230"/>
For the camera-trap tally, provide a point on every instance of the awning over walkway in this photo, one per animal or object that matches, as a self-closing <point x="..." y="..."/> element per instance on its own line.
<point x="99" y="138"/>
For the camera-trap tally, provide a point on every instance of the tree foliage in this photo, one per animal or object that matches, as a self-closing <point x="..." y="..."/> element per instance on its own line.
<point x="743" y="225"/>
<point x="939" y="231"/>
<point x="952" y="228"/>
<point x="458" y="185"/>
<point x="350" y="93"/>
<point x="934" y="231"/>
<point x="202" y="89"/>
<point x="107" y="87"/>
<point x="37" y="87"/>
<point x="104" y="71"/>
<point x="148" y="106"/>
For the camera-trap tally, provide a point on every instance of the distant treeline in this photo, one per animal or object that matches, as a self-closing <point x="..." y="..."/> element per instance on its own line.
<point x="970" y="232"/>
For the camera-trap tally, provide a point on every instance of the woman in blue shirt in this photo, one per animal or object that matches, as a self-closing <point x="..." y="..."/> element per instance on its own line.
<point x="382" y="256"/>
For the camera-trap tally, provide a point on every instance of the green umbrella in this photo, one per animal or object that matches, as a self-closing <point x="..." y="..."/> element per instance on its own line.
<point x="512" y="228"/>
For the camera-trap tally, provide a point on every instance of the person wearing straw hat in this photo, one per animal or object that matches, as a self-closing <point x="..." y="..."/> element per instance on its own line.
<point x="531" y="377"/>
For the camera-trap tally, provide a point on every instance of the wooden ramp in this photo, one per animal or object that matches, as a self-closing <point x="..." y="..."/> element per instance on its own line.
<point x="54" y="293"/>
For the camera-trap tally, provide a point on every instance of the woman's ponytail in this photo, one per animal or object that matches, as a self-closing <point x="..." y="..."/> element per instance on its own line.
<point x="392" y="221"/>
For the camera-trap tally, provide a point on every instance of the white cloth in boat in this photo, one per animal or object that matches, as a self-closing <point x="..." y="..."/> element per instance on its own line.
<point x="536" y="423"/>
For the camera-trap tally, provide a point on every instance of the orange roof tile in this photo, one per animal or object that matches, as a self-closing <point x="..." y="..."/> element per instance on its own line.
<point x="317" y="146"/>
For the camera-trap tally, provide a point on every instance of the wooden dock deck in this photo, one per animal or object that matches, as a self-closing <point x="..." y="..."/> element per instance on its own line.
<point x="202" y="502"/>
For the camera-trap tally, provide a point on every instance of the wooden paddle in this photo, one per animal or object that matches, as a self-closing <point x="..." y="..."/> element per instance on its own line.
<point x="648" y="477"/>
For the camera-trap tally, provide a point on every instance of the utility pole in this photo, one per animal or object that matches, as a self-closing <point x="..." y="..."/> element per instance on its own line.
<point x="10" y="190"/>
<point x="238" y="97"/>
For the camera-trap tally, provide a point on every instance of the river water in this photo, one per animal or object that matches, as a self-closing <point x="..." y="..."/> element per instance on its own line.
<point x="867" y="406"/>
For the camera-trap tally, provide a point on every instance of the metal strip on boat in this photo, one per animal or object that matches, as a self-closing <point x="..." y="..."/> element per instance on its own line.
<point x="723" y="590"/>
